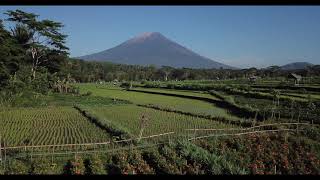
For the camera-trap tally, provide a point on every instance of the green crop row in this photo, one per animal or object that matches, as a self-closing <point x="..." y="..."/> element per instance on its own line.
<point x="104" y="123"/>
<point x="129" y="118"/>
<point x="238" y="122"/>
<point x="172" y="102"/>
<point x="52" y="125"/>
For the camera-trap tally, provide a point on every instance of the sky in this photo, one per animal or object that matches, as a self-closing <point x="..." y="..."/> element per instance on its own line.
<point x="240" y="36"/>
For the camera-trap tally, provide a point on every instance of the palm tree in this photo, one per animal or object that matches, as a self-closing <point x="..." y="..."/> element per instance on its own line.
<point x="22" y="35"/>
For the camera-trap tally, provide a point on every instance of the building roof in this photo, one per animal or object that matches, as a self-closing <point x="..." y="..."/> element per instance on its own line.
<point x="296" y="76"/>
<point x="253" y="77"/>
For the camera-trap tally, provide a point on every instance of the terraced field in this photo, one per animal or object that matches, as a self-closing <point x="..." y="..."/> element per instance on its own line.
<point x="180" y="92"/>
<point x="50" y="125"/>
<point x="127" y="117"/>
<point x="60" y="123"/>
<point x="177" y="103"/>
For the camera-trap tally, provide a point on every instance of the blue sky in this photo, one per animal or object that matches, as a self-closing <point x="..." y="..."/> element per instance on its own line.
<point x="242" y="36"/>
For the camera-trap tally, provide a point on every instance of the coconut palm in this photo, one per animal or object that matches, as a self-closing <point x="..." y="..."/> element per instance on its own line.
<point x="22" y="35"/>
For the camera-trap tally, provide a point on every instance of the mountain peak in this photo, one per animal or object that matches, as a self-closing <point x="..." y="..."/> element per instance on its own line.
<point x="148" y="34"/>
<point x="145" y="36"/>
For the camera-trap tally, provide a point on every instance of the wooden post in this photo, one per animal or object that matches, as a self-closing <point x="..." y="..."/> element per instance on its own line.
<point x="5" y="154"/>
<point x="286" y="136"/>
<point x="131" y="146"/>
<point x="75" y="161"/>
<point x="94" y="148"/>
<point x="0" y="150"/>
<point x="54" y="139"/>
<point x="2" y="161"/>
<point x="31" y="149"/>
<point x="112" y="142"/>
<point x="194" y="133"/>
<point x="77" y="149"/>
<point x="298" y="126"/>
<point x="255" y="117"/>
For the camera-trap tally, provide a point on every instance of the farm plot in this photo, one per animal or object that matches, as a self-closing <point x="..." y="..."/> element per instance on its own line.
<point x="176" y="103"/>
<point x="51" y="125"/>
<point x="180" y="92"/>
<point x="128" y="117"/>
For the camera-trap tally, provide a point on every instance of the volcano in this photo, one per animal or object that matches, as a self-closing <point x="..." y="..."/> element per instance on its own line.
<point x="153" y="48"/>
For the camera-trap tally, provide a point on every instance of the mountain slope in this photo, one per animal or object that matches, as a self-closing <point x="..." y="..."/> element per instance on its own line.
<point x="296" y="65"/>
<point x="154" y="48"/>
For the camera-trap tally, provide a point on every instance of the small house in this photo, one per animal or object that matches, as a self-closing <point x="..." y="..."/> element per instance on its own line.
<point x="297" y="78"/>
<point x="253" y="78"/>
<point x="115" y="82"/>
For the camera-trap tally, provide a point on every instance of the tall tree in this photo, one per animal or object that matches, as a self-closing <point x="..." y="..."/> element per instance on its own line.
<point x="9" y="51"/>
<point x="166" y="70"/>
<point x="39" y="37"/>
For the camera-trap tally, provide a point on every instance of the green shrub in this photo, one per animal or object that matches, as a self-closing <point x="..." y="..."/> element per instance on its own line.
<point x="17" y="167"/>
<point x="41" y="166"/>
<point x="89" y="93"/>
<point x="213" y="164"/>
<point x="93" y="166"/>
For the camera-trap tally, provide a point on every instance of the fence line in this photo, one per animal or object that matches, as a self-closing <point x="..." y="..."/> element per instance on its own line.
<point x="238" y="134"/>
<point x="88" y="152"/>
<point x="146" y="137"/>
<point x="156" y="144"/>
<point x="137" y="146"/>
<point x="83" y="144"/>
<point x="273" y="124"/>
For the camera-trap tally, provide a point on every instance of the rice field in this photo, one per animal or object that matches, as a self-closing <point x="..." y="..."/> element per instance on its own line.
<point x="128" y="117"/>
<point x="49" y="125"/>
<point x="177" y="103"/>
<point x="180" y="92"/>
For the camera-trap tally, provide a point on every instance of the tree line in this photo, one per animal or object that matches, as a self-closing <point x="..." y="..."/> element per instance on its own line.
<point x="93" y="71"/>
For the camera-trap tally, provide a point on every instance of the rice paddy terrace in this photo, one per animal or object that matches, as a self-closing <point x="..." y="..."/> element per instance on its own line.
<point x="112" y="130"/>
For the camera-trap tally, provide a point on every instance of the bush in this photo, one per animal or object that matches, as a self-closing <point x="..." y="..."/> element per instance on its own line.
<point x="212" y="163"/>
<point x="94" y="166"/>
<point x="41" y="166"/>
<point x="89" y="93"/>
<point x="41" y="82"/>
<point x="125" y="85"/>
<point x="76" y="167"/>
<point x="17" y="167"/>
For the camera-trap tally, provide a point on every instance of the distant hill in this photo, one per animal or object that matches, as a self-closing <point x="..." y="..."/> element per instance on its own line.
<point x="154" y="49"/>
<point x="296" y="65"/>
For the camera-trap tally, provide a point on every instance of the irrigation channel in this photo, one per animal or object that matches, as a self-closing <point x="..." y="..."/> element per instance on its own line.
<point x="55" y="150"/>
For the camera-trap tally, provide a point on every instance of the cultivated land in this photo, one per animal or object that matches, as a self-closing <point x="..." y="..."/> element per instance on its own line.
<point x="49" y="125"/>
<point x="190" y="111"/>
<point x="63" y="115"/>
<point x="127" y="116"/>
<point x="176" y="103"/>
